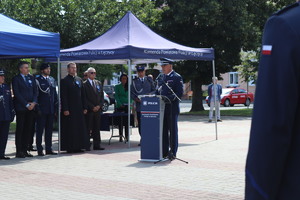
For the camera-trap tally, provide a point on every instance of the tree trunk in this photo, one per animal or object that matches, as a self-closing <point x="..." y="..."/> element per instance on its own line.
<point x="197" y="104"/>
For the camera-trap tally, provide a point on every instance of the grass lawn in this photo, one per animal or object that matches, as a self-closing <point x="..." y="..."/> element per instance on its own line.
<point x="12" y="127"/>
<point x="233" y="112"/>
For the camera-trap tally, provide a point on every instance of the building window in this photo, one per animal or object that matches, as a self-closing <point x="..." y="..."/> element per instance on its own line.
<point x="233" y="78"/>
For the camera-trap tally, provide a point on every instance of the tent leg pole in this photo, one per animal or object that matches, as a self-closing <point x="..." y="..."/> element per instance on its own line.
<point x="215" y="91"/>
<point x="59" y="104"/>
<point x="129" y="98"/>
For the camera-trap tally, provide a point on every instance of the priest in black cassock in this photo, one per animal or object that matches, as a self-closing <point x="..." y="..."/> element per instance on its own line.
<point x="73" y="134"/>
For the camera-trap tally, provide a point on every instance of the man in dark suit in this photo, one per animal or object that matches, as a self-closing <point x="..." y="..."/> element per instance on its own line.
<point x="94" y="99"/>
<point x="273" y="161"/>
<point x="74" y="137"/>
<point x="6" y="114"/>
<point x="25" y="101"/>
<point x="171" y="86"/>
<point x="47" y="100"/>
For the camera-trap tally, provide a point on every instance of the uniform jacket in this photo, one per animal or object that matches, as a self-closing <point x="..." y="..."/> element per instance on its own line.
<point x="93" y="97"/>
<point x="174" y="81"/>
<point x="141" y="88"/>
<point x="218" y="94"/>
<point x="6" y="104"/>
<point x="273" y="161"/>
<point x="24" y="92"/>
<point x="47" y="95"/>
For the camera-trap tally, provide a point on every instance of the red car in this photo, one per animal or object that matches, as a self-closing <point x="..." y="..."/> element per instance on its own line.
<point x="231" y="96"/>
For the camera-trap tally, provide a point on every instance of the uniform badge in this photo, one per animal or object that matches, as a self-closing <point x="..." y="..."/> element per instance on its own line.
<point x="267" y="50"/>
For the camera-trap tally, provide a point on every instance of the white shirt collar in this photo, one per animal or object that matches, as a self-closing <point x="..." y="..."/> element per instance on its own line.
<point x="91" y="81"/>
<point x="170" y="72"/>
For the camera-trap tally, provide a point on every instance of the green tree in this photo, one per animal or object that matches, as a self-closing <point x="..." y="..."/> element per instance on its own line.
<point x="78" y="21"/>
<point x="227" y="25"/>
<point x="248" y="67"/>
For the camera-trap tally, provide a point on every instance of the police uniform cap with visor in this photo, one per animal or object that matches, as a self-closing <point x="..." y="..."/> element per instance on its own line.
<point x="166" y="61"/>
<point x="141" y="67"/>
<point x="2" y="73"/>
<point x="44" y="66"/>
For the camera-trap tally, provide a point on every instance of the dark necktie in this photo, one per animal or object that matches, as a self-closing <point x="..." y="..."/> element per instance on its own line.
<point x="27" y="80"/>
<point x="94" y="86"/>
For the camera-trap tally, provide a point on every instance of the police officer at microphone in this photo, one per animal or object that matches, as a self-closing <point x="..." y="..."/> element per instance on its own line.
<point x="6" y="114"/>
<point x="141" y="85"/>
<point x="47" y="100"/>
<point x="170" y="86"/>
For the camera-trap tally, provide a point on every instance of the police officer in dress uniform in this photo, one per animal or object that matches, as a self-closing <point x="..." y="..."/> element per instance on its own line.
<point x="25" y="101"/>
<point x="273" y="161"/>
<point x="6" y="114"/>
<point x="141" y="85"/>
<point x="170" y="86"/>
<point x="47" y="100"/>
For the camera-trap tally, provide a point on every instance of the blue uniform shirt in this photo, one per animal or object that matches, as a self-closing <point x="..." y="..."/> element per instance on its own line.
<point x="6" y="104"/>
<point x="47" y="96"/>
<point x="174" y="81"/>
<point x="140" y="87"/>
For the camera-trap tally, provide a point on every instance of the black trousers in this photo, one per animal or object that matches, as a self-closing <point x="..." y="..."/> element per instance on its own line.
<point x="32" y="131"/>
<point x="23" y="129"/>
<point x="4" y="129"/>
<point x="44" y="123"/>
<point x="93" y="121"/>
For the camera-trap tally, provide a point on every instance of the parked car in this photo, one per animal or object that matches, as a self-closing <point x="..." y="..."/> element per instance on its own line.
<point x="231" y="96"/>
<point x="106" y="102"/>
<point x="110" y="90"/>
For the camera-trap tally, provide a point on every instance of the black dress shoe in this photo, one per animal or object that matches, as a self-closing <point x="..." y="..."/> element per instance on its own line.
<point x="78" y="151"/>
<point x="99" y="148"/>
<point x="40" y="153"/>
<point x="4" y="158"/>
<point x="27" y="154"/>
<point x="50" y="153"/>
<point x="32" y="149"/>
<point x="20" y="155"/>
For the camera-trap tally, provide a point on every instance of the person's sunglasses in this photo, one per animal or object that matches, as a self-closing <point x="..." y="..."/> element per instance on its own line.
<point x="92" y="72"/>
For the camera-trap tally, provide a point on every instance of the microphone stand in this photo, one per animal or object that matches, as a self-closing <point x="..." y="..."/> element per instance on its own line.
<point x="170" y="155"/>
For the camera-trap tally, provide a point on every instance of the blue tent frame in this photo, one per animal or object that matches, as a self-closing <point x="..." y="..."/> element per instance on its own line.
<point x="129" y="42"/>
<point x="18" y="40"/>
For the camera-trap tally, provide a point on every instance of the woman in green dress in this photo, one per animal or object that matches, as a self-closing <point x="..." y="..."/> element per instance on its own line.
<point x="121" y="97"/>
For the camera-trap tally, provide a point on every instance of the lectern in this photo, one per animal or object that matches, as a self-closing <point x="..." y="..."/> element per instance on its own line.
<point x="152" y="116"/>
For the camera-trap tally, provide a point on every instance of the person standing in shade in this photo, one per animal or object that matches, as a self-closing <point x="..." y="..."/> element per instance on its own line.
<point x="141" y="85"/>
<point x="48" y="104"/>
<point x="25" y="101"/>
<point x="121" y="96"/>
<point x="94" y="100"/>
<point x="6" y="114"/>
<point x="212" y="100"/>
<point x="272" y="166"/>
<point x="170" y="86"/>
<point x="74" y="137"/>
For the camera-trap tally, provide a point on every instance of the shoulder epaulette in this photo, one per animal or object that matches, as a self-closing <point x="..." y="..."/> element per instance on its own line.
<point x="287" y="8"/>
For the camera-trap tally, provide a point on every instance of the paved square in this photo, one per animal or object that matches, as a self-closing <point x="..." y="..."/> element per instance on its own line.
<point x="215" y="169"/>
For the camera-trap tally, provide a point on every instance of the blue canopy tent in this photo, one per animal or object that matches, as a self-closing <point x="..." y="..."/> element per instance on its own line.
<point x="130" y="41"/>
<point x="18" y="40"/>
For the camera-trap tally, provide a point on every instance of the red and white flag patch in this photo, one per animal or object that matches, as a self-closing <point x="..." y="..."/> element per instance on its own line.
<point x="266" y="49"/>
